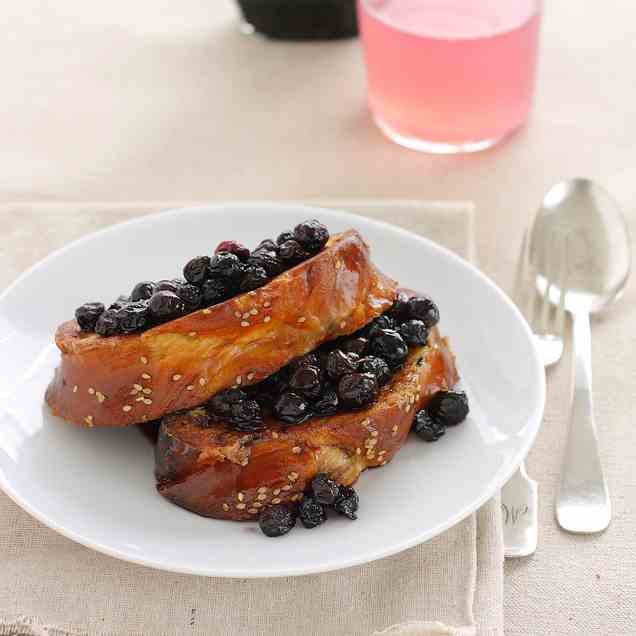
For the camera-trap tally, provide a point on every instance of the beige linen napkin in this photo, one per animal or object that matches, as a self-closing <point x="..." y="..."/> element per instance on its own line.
<point x="449" y="585"/>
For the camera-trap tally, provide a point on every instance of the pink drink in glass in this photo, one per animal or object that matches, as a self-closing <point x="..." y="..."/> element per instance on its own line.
<point x="450" y="75"/>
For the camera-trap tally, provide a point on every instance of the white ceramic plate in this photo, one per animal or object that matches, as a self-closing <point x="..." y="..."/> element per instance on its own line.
<point x="96" y="486"/>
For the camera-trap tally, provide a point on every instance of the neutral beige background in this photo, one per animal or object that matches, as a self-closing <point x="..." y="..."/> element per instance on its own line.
<point x="132" y="101"/>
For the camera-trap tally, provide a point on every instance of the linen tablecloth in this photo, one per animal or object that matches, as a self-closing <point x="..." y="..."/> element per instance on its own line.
<point x="450" y="585"/>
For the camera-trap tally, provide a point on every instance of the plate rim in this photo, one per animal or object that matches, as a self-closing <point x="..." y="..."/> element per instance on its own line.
<point x="368" y="556"/>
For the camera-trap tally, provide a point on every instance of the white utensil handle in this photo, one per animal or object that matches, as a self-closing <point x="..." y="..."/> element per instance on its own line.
<point x="519" y="509"/>
<point x="583" y="504"/>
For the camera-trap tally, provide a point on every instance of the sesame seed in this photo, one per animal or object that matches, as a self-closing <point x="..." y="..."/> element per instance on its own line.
<point x="190" y="387"/>
<point x="297" y="497"/>
<point x="144" y="360"/>
<point x="262" y="490"/>
<point x="245" y="462"/>
<point x="244" y="323"/>
<point x="302" y="319"/>
<point x="176" y="377"/>
<point x="251" y="293"/>
<point x="267" y="318"/>
<point x="382" y="452"/>
<point x="202" y="381"/>
<point x="343" y="324"/>
<point x="192" y="334"/>
<point x="276" y="491"/>
<point x="89" y="420"/>
<point x="267" y="304"/>
<point x="252" y="511"/>
<point x="147" y="401"/>
<point x="374" y="433"/>
<point x="239" y="379"/>
<point x="240" y="506"/>
<point x="246" y="314"/>
<point x="383" y="463"/>
<point x="257" y="504"/>
<point x="297" y="450"/>
<point x="358" y="451"/>
<point x="274" y="434"/>
<point x="225" y="507"/>
<point x="75" y="388"/>
<point x="237" y="314"/>
<point x="126" y="408"/>
<point x="394" y="429"/>
<point x="91" y="390"/>
<point x="100" y="396"/>
<point x="261" y="497"/>
<point x="276" y="500"/>
<point x="137" y="387"/>
<point x="147" y="391"/>
<point x="292" y="476"/>
<point x="207" y="311"/>
<point x="146" y="376"/>
<point x="287" y="487"/>
<point x="253" y="311"/>
<point x="250" y="376"/>
<point x="240" y="496"/>
<point x="141" y="398"/>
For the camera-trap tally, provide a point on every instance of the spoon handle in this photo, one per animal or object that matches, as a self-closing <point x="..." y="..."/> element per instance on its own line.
<point x="583" y="504"/>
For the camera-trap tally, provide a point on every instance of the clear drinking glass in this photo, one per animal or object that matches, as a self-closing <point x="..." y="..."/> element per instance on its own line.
<point x="449" y="76"/>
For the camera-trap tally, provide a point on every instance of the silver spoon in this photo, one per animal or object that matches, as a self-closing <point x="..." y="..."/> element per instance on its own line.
<point x="582" y="222"/>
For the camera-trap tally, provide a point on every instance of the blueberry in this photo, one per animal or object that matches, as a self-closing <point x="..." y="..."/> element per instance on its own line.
<point x="358" y="390"/>
<point x="197" y="270"/>
<point x="190" y="295"/>
<point x="414" y="332"/>
<point x="88" y="314"/>
<point x="424" y="309"/>
<point x="166" y="305"/>
<point x="284" y="236"/>
<point x="213" y="291"/>
<point x="267" y="244"/>
<point x="347" y="502"/>
<point x="167" y="285"/>
<point x="377" y="366"/>
<point x="381" y="322"/>
<point x="246" y="416"/>
<point x="390" y="346"/>
<point x="228" y="268"/>
<point x="400" y="310"/>
<point x="254" y="277"/>
<point x="340" y="363"/>
<point x="311" y="512"/>
<point x="268" y="260"/>
<point x="234" y="247"/>
<point x="142" y="291"/>
<point x="275" y="521"/>
<point x="108" y="323"/>
<point x="327" y="403"/>
<point x="292" y="253"/>
<point x="291" y="408"/>
<point x="325" y="489"/>
<point x="312" y="235"/>
<point x="427" y="428"/>
<point x="449" y="407"/>
<point x="221" y="404"/>
<point x="355" y="345"/>
<point x="134" y="316"/>
<point x="306" y="381"/>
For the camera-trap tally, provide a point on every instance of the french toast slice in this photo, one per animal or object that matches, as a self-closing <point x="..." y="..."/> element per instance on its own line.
<point x="205" y="466"/>
<point x="123" y="380"/>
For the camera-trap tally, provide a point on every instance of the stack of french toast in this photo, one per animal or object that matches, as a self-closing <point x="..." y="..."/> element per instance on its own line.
<point x="274" y="376"/>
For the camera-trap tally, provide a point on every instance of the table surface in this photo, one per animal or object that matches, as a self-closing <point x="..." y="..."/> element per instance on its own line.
<point x="163" y="101"/>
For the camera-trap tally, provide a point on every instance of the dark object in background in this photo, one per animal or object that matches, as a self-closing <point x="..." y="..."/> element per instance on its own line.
<point x="302" y="19"/>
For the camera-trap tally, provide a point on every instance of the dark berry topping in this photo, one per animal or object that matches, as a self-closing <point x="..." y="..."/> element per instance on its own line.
<point x="190" y="295"/>
<point x="168" y="285"/>
<point x="285" y="236"/>
<point x="166" y="305"/>
<point x="275" y="521"/>
<point x="213" y="291"/>
<point x="400" y="310"/>
<point x="358" y="390"/>
<point x="196" y="270"/>
<point x="119" y="303"/>
<point x="291" y="408"/>
<point x="311" y="512"/>
<point x="306" y="381"/>
<point x="340" y="363"/>
<point x="355" y="345"/>
<point x="325" y="489"/>
<point x="133" y="317"/>
<point x="388" y="344"/>
<point x="381" y="322"/>
<point x="234" y="247"/>
<point x="88" y="314"/>
<point x="424" y="309"/>
<point x="377" y="366"/>
<point x="312" y="235"/>
<point x="108" y="323"/>
<point x="221" y="404"/>
<point x="308" y="360"/>
<point x="142" y="291"/>
<point x="427" y="428"/>
<point x="449" y="407"/>
<point x="267" y="244"/>
<point x="327" y="403"/>
<point x="292" y="253"/>
<point x="347" y="502"/>
<point x="275" y="384"/>
<point x="269" y="261"/>
<point x="254" y="277"/>
<point x="228" y="268"/>
<point x="414" y="332"/>
<point x="246" y="415"/>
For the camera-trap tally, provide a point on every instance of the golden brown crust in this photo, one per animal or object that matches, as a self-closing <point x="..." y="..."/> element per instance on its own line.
<point x="217" y="472"/>
<point x="124" y="380"/>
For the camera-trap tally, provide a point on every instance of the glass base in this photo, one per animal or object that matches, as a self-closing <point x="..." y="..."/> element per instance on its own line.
<point x="435" y="147"/>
